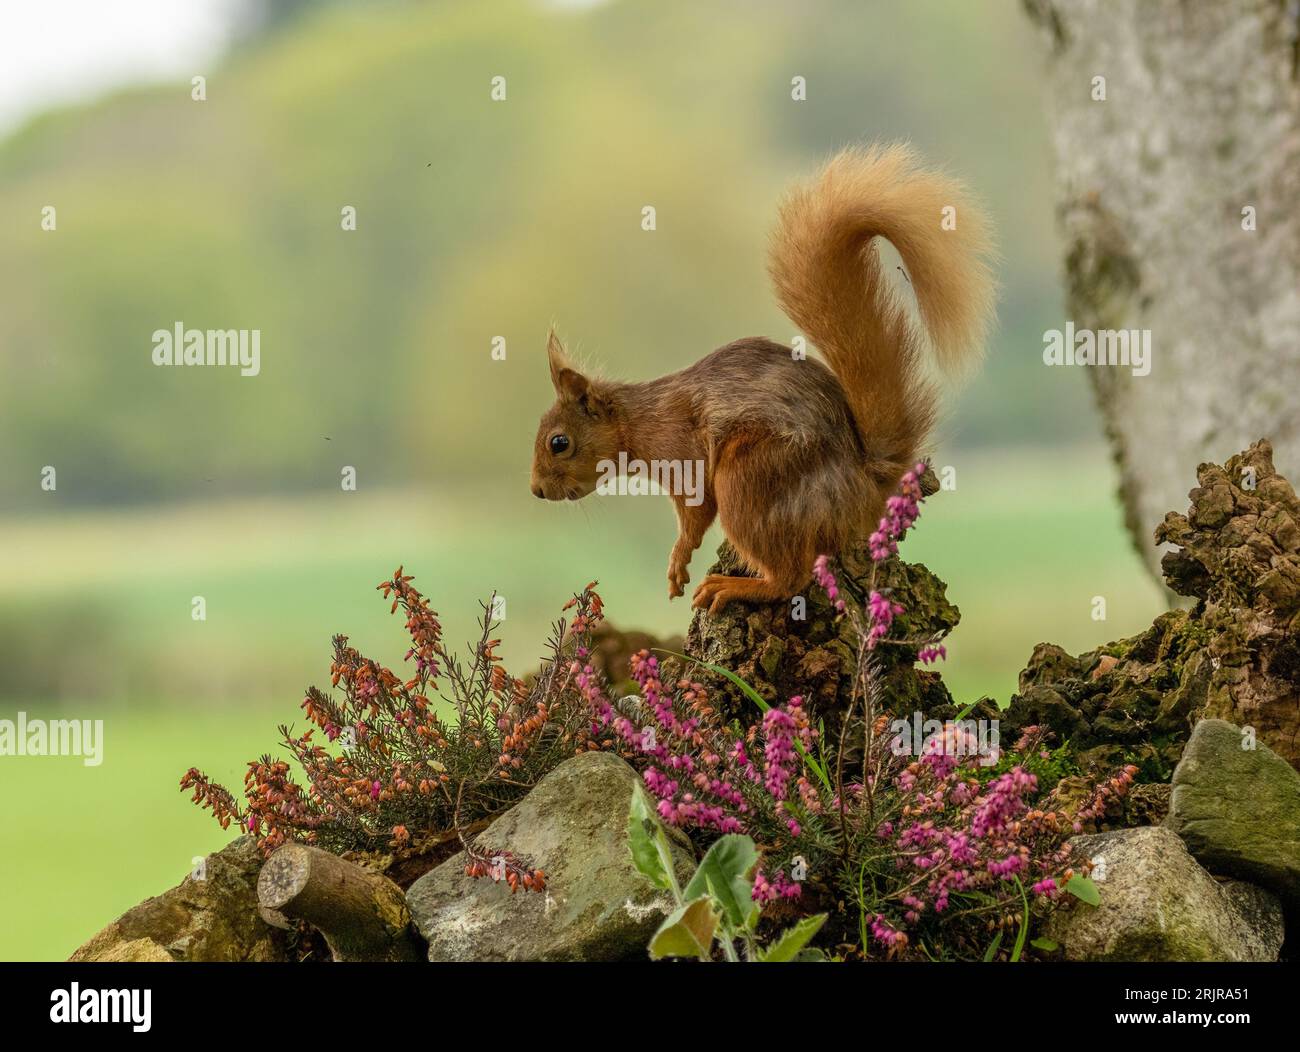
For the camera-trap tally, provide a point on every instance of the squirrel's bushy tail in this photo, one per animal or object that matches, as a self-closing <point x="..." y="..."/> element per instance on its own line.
<point x="829" y="280"/>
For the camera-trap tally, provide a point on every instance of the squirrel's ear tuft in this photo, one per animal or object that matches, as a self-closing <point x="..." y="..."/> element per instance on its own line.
<point x="558" y="359"/>
<point x="571" y="385"/>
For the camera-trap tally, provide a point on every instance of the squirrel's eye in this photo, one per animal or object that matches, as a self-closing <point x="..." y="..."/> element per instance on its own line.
<point x="559" y="443"/>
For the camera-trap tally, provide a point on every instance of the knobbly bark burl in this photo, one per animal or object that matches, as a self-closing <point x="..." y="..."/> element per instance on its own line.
<point x="781" y="654"/>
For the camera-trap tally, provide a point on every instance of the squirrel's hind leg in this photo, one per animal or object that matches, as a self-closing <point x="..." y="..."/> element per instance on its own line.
<point x="717" y="590"/>
<point x="772" y="504"/>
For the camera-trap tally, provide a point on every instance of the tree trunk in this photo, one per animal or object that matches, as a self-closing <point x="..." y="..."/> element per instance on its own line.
<point x="1159" y="186"/>
<point x="362" y="914"/>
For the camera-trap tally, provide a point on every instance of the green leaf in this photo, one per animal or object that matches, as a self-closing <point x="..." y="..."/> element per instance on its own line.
<point x="810" y="954"/>
<point x="1024" y="924"/>
<point x="745" y="688"/>
<point x="992" y="951"/>
<point x="1084" y="889"/>
<point x="793" y="940"/>
<point x="642" y="829"/>
<point x="1045" y="944"/>
<point x="724" y="874"/>
<point x="687" y="932"/>
<point x="748" y="691"/>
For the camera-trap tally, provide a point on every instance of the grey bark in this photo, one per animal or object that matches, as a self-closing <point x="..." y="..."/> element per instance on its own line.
<point x="1201" y="120"/>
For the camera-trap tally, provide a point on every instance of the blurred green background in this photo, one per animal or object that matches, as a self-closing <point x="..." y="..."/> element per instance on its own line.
<point x="475" y="219"/>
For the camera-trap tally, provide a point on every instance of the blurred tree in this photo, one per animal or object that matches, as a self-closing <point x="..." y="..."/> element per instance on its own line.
<point x="256" y="18"/>
<point x="1177" y="136"/>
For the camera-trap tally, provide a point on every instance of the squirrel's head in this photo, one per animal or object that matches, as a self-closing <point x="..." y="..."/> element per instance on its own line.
<point x="576" y="433"/>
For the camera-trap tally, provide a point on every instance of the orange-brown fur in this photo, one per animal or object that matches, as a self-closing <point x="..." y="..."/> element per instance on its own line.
<point x="799" y="458"/>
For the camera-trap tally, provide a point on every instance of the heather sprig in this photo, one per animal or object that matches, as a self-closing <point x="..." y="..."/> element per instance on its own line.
<point x="874" y="623"/>
<point x="935" y="850"/>
<point x="704" y="773"/>
<point x="404" y="758"/>
<point x="931" y="847"/>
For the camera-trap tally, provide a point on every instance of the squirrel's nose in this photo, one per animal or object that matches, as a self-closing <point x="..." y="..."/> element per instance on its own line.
<point x="537" y="492"/>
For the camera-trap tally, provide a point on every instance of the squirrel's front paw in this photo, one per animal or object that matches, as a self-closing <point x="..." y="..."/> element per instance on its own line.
<point x="678" y="578"/>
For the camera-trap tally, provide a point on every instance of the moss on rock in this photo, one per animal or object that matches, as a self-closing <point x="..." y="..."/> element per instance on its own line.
<point x="1234" y="655"/>
<point x="211" y="915"/>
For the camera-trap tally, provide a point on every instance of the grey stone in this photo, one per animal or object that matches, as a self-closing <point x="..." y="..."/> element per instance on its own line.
<point x="1158" y="904"/>
<point x="1238" y="810"/>
<point x="1262" y="910"/>
<point x="596" y="906"/>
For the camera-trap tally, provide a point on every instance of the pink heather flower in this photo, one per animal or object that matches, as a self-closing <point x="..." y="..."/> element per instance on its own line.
<point x="929" y="655"/>
<point x="885" y="935"/>
<point x="778" y="887"/>
<point x="945" y="751"/>
<point x="901" y="511"/>
<point x="826" y="581"/>
<point x="696" y="769"/>
<point x="1007" y="867"/>
<point x="882" y="546"/>
<point x="374" y="790"/>
<point x="1046" y="886"/>
<point x="788" y="889"/>
<point x="808" y="795"/>
<point x="779" y="729"/>
<point x="1002" y="801"/>
<point x="882" y="612"/>
<point x="588" y="686"/>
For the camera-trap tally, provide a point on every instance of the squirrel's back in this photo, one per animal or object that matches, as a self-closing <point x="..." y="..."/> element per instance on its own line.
<point x="757" y="385"/>
<point x="828" y="278"/>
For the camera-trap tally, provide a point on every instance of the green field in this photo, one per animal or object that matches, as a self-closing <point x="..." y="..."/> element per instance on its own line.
<point x="1024" y="543"/>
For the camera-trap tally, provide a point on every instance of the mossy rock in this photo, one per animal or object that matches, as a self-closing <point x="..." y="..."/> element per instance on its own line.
<point x="1158" y="904"/>
<point x="1234" y="656"/>
<point x="596" y="906"/>
<point x="211" y="915"/>
<point x="1236" y="804"/>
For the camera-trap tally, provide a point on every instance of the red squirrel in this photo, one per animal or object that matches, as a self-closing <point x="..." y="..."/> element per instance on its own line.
<point x="798" y="458"/>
